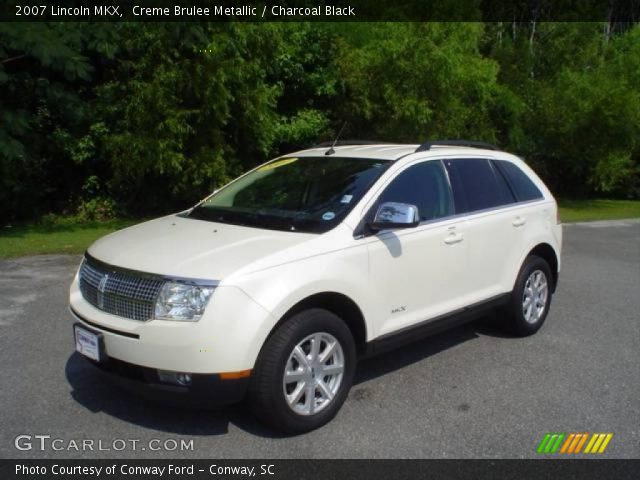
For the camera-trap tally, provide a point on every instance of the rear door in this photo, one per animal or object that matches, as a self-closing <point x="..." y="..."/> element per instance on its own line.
<point x="532" y="212"/>
<point x="493" y="227"/>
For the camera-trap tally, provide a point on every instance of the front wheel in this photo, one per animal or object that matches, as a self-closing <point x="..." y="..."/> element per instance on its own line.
<point x="304" y="372"/>
<point x="530" y="299"/>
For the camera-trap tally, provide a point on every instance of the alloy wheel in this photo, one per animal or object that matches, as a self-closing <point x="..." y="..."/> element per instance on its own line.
<point x="534" y="296"/>
<point x="313" y="373"/>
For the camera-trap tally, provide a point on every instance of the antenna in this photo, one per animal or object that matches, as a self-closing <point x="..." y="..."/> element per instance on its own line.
<point x="331" y="151"/>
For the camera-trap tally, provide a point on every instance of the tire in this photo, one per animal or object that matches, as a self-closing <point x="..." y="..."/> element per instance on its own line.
<point x="289" y="405"/>
<point x="530" y="299"/>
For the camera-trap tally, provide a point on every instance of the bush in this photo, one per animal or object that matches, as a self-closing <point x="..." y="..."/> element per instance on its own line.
<point x="97" y="209"/>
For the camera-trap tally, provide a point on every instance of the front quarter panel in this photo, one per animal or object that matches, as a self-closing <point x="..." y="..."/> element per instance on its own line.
<point x="343" y="271"/>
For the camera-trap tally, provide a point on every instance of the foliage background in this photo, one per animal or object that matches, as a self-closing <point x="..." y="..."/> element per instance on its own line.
<point x="98" y="120"/>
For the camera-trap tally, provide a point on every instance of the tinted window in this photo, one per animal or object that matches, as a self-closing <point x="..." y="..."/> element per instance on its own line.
<point x="521" y="184"/>
<point x="476" y="185"/>
<point x="423" y="185"/>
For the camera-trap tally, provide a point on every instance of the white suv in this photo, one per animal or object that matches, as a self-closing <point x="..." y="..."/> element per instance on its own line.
<point x="273" y="286"/>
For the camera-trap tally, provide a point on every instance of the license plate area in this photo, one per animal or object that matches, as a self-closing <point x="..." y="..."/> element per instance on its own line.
<point x="89" y="343"/>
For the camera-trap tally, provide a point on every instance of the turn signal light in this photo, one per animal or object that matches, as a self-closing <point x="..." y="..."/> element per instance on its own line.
<point x="235" y="375"/>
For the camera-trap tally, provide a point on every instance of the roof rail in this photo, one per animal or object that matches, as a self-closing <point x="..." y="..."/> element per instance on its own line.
<point x="344" y="143"/>
<point x="455" y="143"/>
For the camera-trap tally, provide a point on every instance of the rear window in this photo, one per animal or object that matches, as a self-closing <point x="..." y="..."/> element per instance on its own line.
<point x="523" y="187"/>
<point x="476" y="185"/>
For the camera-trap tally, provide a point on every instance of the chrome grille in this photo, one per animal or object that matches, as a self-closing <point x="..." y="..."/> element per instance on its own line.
<point x="118" y="293"/>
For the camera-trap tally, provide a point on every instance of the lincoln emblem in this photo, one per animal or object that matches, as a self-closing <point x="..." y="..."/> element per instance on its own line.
<point x="101" y="287"/>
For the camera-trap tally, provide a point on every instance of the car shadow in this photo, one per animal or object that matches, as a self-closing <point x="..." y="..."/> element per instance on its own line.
<point x="417" y="351"/>
<point x="96" y="393"/>
<point x="492" y="325"/>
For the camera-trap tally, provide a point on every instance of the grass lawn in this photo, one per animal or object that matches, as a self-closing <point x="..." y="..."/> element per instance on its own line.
<point x="586" y="210"/>
<point x="68" y="235"/>
<point x="65" y="236"/>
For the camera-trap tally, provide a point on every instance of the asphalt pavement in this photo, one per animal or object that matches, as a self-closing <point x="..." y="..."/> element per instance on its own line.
<point x="472" y="392"/>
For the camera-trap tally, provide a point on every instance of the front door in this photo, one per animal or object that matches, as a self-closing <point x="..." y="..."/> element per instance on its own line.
<point x="417" y="273"/>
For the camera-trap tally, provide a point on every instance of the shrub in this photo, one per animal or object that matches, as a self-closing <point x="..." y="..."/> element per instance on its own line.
<point x="97" y="209"/>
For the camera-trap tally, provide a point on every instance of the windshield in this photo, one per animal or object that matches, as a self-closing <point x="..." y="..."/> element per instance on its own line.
<point x="306" y="194"/>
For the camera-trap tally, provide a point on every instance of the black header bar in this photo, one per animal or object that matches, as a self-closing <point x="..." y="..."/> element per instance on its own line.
<point x="319" y="10"/>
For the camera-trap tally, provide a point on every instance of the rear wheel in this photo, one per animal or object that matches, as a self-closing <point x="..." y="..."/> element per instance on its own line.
<point x="304" y="372"/>
<point x="530" y="299"/>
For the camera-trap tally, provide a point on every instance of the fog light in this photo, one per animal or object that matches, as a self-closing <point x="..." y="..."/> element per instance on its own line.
<point x="184" y="378"/>
<point x="175" y="378"/>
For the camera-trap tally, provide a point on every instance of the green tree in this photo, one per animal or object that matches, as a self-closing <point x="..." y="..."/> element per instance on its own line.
<point x="184" y="105"/>
<point x="406" y="81"/>
<point x="42" y="68"/>
<point x="578" y="103"/>
<point x="155" y="116"/>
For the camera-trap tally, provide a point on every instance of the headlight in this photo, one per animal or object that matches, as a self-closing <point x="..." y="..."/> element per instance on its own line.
<point x="179" y="301"/>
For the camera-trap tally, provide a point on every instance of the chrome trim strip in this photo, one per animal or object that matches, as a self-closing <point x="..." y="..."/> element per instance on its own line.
<point x="457" y="216"/>
<point x="102" y="328"/>
<point x="152" y="276"/>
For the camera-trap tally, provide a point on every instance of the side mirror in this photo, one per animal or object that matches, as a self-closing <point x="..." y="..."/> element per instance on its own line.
<point x="395" y="215"/>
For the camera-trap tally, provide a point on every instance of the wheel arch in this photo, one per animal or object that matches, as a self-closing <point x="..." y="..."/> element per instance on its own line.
<point x="340" y="305"/>
<point x="548" y="253"/>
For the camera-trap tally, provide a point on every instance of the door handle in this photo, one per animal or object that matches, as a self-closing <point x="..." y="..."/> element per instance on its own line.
<point x="519" y="221"/>
<point x="453" y="237"/>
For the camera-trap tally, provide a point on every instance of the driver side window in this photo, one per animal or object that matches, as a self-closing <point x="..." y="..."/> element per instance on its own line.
<point x="424" y="185"/>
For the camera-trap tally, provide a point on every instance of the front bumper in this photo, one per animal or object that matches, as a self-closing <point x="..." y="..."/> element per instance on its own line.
<point x="227" y="339"/>
<point x="205" y="390"/>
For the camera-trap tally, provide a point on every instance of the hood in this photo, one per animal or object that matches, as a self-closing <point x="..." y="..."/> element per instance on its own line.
<point x="191" y="248"/>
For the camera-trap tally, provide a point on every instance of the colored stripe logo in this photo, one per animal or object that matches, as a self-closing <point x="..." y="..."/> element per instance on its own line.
<point x="572" y="443"/>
